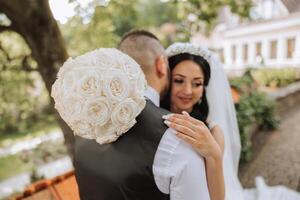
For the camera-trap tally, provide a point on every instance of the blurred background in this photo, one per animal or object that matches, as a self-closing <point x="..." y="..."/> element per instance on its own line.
<point x="258" y="41"/>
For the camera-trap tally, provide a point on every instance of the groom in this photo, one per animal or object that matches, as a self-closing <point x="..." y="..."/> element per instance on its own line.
<point x="149" y="161"/>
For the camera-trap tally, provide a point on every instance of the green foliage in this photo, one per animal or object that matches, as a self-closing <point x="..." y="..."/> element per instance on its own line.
<point x="106" y="25"/>
<point x="245" y="118"/>
<point x="275" y="77"/>
<point x="253" y="109"/>
<point x="206" y="12"/>
<point x="11" y="166"/>
<point x="22" y="93"/>
<point x="81" y="37"/>
<point x="244" y="84"/>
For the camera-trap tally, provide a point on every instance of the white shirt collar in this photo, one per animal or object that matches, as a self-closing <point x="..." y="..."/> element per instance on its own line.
<point x="153" y="95"/>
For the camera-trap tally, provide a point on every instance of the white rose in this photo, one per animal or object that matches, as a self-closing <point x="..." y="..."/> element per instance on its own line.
<point x="125" y="128"/>
<point x="140" y="100"/>
<point x="90" y="84"/>
<point x="106" y="134"/>
<point x="67" y="66"/>
<point x="116" y="85"/>
<point x="97" y="111"/>
<point x="130" y="67"/>
<point x="72" y="107"/>
<point x="124" y="113"/>
<point x="83" y="129"/>
<point x="98" y="59"/>
<point x="68" y="82"/>
<point x="56" y="92"/>
<point x="141" y="85"/>
<point x="106" y="60"/>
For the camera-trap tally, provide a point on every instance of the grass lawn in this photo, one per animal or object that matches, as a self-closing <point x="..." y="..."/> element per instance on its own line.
<point x="40" y="128"/>
<point x="12" y="165"/>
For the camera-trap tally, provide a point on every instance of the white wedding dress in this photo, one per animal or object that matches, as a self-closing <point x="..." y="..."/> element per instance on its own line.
<point x="222" y="111"/>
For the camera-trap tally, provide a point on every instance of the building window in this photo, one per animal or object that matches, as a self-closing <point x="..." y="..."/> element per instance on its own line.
<point x="245" y="52"/>
<point x="221" y="55"/>
<point x="258" y="49"/>
<point x="290" y="47"/>
<point x="233" y="51"/>
<point x="273" y="49"/>
<point x="258" y="55"/>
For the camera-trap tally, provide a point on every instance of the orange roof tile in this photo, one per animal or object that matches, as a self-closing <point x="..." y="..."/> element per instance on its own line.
<point x="235" y="95"/>
<point x="62" y="187"/>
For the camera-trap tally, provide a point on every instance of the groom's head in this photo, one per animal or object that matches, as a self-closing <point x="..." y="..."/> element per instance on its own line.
<point x="147" y="51"/>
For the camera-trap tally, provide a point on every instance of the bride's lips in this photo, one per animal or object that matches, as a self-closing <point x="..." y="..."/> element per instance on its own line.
<point x="185" y="100"/>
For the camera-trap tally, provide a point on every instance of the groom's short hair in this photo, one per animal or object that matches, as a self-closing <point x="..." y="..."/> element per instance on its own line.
<point x="144" y="47"/>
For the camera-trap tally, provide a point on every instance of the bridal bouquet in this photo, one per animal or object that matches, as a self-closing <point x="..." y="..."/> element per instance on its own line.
<point x="99" y="94"/>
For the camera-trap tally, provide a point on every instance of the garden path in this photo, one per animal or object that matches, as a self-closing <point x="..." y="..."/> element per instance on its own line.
<point x="276" y="155"/>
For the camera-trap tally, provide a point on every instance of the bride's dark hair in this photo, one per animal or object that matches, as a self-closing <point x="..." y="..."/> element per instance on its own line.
<point x="200" y="110"/>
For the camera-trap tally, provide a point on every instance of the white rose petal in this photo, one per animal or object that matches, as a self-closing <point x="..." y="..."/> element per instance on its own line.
<point x="69" y="82"/>
<point x="83" y="129"/>
<point x="116" y="86"/>
<point x="141" y="101"/>
<point x="72" y="107"/>
<point x="123" y="129"/>
<point x="56" y="92"/>
<point x="97" y="111"/>
<point x="106" y="134"/>
<point x="141" y="84"/>
<point x="125" y="112"/>
<point x="90" y="84"/>
<point x="67" y="66"/>
<point x="131" y="68"/>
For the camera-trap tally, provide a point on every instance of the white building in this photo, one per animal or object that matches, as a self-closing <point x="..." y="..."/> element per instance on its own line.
<point x="270" y="39"/>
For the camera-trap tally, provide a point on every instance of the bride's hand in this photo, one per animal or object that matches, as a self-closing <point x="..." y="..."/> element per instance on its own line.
<point x="195" y="133"/>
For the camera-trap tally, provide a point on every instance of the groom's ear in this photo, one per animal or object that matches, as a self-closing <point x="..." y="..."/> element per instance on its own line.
<point x="161" y="66"/>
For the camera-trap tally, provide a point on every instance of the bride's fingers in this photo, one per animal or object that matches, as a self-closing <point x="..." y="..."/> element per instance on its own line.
<point x="186" y="138"/>
<point x="183" y="129"/>
<point x="187" y="118"/>
<point x="182" y="122"/>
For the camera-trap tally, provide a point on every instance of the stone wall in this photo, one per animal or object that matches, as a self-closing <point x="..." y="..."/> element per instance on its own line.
<point x="287" y="98"/>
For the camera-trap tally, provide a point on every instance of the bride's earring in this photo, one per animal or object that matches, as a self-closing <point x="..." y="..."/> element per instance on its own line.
<point x="200" y="100"/>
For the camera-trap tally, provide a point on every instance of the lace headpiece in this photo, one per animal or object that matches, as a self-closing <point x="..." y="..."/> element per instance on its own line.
<point x="179" y="48"/>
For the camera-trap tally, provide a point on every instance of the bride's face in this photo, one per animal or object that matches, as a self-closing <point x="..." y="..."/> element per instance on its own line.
<point x="187" y="86"/>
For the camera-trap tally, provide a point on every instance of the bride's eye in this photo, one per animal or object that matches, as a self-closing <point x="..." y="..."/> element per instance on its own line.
<point x="178" y="81"/>
<point x="198" y="84"/>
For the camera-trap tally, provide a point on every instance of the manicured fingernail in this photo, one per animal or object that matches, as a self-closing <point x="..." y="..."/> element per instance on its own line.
<point x="185" y="113"/>
<point x="165" y="116"/>
<point x="167" y="123"/>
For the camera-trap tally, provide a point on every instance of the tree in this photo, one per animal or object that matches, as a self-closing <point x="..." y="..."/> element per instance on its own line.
<point x="34" y="21"/>
<point x="202" y="15"/>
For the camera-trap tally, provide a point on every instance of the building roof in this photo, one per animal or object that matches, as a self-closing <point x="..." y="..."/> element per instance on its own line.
<point x="62" y="187"/>
<point x="292" y="5"/>
<point x="291" y="20"/>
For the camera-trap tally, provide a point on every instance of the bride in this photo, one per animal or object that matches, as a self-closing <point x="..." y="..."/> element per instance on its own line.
<point x="200" y="90"/>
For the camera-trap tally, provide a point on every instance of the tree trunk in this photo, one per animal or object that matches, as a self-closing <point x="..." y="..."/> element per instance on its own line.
<point x="34" y="21"/>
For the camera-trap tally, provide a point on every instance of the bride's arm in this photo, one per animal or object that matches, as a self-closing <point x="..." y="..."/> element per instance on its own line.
<point x="208" y="144"/>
